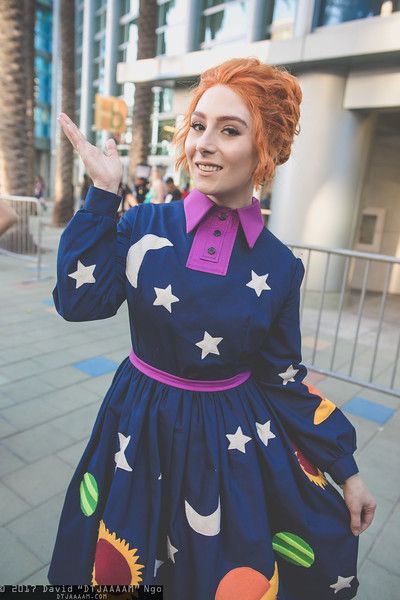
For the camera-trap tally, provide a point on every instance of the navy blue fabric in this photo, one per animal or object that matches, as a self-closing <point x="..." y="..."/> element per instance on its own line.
<point x="182" y="435"/>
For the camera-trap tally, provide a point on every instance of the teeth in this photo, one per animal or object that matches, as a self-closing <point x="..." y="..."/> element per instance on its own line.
<point x="208" y="168"/>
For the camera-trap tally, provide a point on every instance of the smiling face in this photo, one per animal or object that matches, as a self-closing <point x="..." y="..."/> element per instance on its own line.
<point x="219" y="147"/>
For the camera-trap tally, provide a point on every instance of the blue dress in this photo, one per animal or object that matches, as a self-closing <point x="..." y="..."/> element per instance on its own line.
<point x="214" y="494"/>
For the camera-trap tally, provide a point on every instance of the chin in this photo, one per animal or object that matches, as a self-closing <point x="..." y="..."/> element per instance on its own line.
<point x="207" y="187"/>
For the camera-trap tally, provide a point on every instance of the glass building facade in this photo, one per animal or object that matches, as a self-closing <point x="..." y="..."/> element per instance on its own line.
<point x="213" y="23"/>
<point x="42" y="65"/>
<point x="332" y="12"/>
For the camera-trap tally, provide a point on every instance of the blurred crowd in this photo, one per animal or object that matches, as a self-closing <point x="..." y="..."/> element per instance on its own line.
<point x="155" y="189"/>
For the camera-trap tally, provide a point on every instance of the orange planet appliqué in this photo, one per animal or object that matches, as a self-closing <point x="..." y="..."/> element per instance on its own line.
<point x="245" y="583"/>
<point x="313" y="474"/>
<point x="325" y="407"/>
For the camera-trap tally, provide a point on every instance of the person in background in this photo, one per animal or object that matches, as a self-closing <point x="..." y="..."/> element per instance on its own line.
<point x="185" y="191"/>
<point x="86" y="183"/>
<point x="38" y="192"/>
<point x="141" y="189"/>
<point x="128" y="199"/>
<point x="173" y="192"/>
<point x="158" y="189"/>
<point x="8" y="217"/>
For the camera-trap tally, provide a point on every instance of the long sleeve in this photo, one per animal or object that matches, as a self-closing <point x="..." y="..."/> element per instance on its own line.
<point x="91" y="282"/>
<point x="319" y="428"/>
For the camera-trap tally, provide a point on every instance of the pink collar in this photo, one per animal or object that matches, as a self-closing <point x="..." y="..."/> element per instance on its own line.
<point x="197" y="205"/>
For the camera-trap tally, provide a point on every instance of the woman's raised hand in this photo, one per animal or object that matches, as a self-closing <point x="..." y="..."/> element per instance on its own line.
<point x="104" y="168"/>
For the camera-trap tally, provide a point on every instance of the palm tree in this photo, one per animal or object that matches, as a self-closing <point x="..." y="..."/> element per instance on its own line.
<point x="63" y="192"/>
<point x="16" y="115"/>
<point x="16" y="97"/>
<point x="29" y="25"/>
<point x="147" y="23"/>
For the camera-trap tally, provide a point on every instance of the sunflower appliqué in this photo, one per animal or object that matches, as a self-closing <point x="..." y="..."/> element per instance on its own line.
<point x="115" y="563"/>
<point x="313" y="473"/>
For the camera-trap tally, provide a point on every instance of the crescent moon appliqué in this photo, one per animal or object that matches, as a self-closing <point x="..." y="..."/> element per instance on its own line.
<point x="137" y="252"/>
<point x="204" y="524"/>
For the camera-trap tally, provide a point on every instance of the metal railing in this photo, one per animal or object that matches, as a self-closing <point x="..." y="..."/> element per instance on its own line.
<point x="24" y="239"/>
<point x="350" y="316"/>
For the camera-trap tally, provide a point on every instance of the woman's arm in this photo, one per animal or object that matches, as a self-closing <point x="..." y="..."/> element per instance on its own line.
<point x="315" y="424"/>
<point x="91" y="262"/>
<point x="92" y="251"/>
<point x="8" y="217"/>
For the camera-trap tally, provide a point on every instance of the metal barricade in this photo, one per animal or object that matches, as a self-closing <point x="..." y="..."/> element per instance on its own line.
<point x="24" y="239"/>
<point x="350" y="317"/>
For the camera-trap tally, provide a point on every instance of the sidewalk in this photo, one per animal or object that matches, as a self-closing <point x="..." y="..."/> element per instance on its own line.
<point x="53" y="377"/>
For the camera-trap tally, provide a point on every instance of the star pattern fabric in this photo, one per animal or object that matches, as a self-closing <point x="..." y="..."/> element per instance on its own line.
<point x="288" y="375"/>
<point x="171" y="550"/>
<point x="120" y="458"/>
<point x="258" y="283"/>
<point x="83" y="274"/>
<point x="342" y="583"/>
<point x="157" y="565"/>
<point x="165" y="297"/>
<point x="209" y="344"/>
<point x="237" y="440"/>
<point x="219" y="496"/>
<point x="264" y="432"/>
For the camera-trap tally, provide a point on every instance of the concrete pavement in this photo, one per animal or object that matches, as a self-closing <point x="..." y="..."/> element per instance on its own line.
<point x="53" y="377"/>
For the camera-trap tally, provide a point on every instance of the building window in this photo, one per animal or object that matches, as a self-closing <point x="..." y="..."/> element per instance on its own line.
<point x="170" y="31"/>
<point x="280" y="19"/>
<point x="332" y="12"/>
<point x="165" y="133"/>
<point x="223" y="22"/>
<point x="129" y="7"/>
<point x="43" y="30"/>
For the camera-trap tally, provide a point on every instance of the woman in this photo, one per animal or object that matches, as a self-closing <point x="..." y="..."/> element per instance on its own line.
<point x="204" y="470"/>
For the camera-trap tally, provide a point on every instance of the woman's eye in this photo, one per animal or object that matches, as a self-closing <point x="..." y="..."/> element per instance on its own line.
<point x="195" y="125"/>
<point x="231" y="130"/>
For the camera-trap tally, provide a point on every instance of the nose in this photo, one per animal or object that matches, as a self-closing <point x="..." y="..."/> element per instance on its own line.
<point x="205" y="142"/>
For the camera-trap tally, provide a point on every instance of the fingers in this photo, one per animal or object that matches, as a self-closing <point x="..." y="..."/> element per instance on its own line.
<point x="367" y="516"/>
<point x="355" y="520"/>
<point x="72" y="132"/>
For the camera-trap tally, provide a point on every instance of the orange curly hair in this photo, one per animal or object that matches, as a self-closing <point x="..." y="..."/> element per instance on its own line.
<point x="272" y="96"/>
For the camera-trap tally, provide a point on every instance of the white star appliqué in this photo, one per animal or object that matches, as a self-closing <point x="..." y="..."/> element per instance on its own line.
<point x="264" y="432"/>
<point x="237" y="440"/>
<point x="258" y="283"/>
<point x="83" y="274"/>
<point x="171" y="550"/>
<point x="342" y="582"/>
<point x="120" y="458"/>
<point x="165" y="297"/>
<point x="209" y="344"/>
<point x="289" y="374"/>
<point x="157" y="564"/>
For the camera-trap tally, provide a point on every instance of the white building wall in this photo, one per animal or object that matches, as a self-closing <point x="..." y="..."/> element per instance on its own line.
<point x="316" y="193"/>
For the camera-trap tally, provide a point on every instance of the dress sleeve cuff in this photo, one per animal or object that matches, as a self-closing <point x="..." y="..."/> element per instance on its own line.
<point x="102" y="202"/>
<point x="342" y="468"/>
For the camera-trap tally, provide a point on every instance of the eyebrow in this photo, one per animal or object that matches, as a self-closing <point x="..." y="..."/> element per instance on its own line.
<point x="222" y="118"/>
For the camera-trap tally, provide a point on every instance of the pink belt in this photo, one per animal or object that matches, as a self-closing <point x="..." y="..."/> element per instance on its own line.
<point x="195" y="385"/>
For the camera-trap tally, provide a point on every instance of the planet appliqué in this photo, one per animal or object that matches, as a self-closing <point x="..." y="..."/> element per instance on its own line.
<point x="293" y="549"/>
<point x="245" y="583"/>
<point x="89" y="494"/>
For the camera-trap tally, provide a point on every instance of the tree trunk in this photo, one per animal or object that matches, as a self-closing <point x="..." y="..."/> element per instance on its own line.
<point x="16" y="140"/>
<point x="29" y="17"/>
<point x="16" y="116"/>
<point x="143" y="106"/>
<point x="64" y="192"/>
